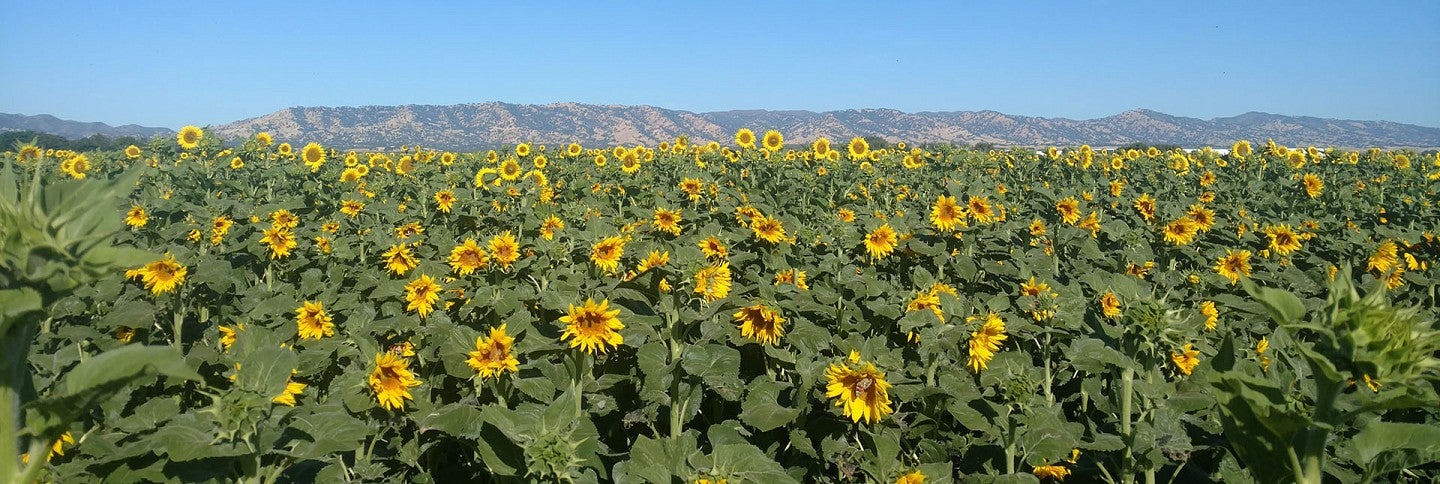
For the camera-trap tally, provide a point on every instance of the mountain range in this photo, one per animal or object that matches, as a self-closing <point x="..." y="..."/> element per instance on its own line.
<point x="483" y="125"/>
<point x="45" y="123"/>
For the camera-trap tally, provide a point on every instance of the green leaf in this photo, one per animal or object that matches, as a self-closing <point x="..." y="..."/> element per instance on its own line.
<point x="1283" y="306"/>
<point x="761" y="409"/>
<point x="1385" y="447"/>
<point x="658" y="460"/>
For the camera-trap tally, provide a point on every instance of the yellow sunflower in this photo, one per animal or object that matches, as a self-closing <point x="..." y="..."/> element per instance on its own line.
<point x="444" y="200"/>
<point x="713" y="282"/>
<point x="313" y="155"/>
<point x="467" y="257"/>
<point x="760" y="323"/>
<point x="592" y="327"/>
<point x="219" y="227"/>
<point x="551" y="225"/>
<point x="1146" y="206"/>
<point x="1211" y="314"/>
<point x="858" y="148"/>
<point x="399" y="260"/>
<point x="136" y="217"/>
<point x="979" y="208"/>
<point x="667" y="221"/>
<point x="1204" y="218"/>
<point x="768" y="229"/>
<point x="606" y="253"/>
<point x="773" y="141"/>
<point x="1181" y="231"/>
<point x="1233" y="265"/>
<point x="161" y="276"/>
<point x="493" y="355"/>
<point x="1313" y="185"/>
<point x="189" y="137"/>
<point x="945" y="215"/>
<point x="1110" y="305"/>
<point x="504" y="249"/>
<point x="653" y="260"/>
<point x="1069" y="209"/>
<point x="881" y="241"/>
<point x="714" y="248"/>
<point x="510" y="170"/>
<point x="132" y="152"/>
<point x="985" y="341"/>
<point x="421" y="295"/>
<point x="1187" y="359"/>
<point x="1056" y="472"/>
<point x="1283" y="239"/>
<point x="522" y="150"/>
<point x="287" y="396"/>
<point x="280" y="240"/>
<point x="391" y="380"/>
<point x="745" y="138"/>
<point x="313" y="322"/>
<point x="1385" y="257"/>
<point x="821" y="147"/>
<point x="860" y="390"/>
<point x="228" y="335"/>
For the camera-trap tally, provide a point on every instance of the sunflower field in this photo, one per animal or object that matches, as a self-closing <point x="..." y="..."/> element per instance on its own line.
<point x="743" y="310"/>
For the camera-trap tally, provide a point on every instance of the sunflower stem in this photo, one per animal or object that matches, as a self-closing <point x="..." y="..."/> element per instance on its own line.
<point x="1127" y="465"/>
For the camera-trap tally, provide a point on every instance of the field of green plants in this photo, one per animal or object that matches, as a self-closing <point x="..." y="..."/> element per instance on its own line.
<point x="747" y="310"/>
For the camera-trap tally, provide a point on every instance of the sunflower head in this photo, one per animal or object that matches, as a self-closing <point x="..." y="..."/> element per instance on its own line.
<point x="860" y="390"/>
<point x="391" y="380"/>
<point x="189" y="137"/>
<point x="594" y="328"/>
<point x="760" y="323"/>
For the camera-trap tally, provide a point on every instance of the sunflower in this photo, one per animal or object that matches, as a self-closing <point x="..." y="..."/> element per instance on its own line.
<point x="979" y="208"/>
<point x="1181" y="231"/>
<point x="510" y="170"/>
<point x="858" y="148"/>
<point x="1233" y="265"/>
<point x="792" y="276"/>
<point x="821" y="147"/>
<point x="132" y="152"/>
<point x="467" y="257"/>
<point x="745" y="138"/>
<point x="1110" y="305"/>
<point x="492" y="355"/>
<point x="860" y="390"/>
<point x="606" y="253"/>
<point x="136" y="217"/>
<point x="691" y="187"/>
<point x="1187" y="359"/>
<point x="280" y="240"/>
<point x="421" y="295"/>
<point x="313" y="155"/>
<point x="1117" y="187"/>
<point x="1313" y="185"/>
<point x="284" y="219"/>
<point x="1241" y="148"/>
<point x="551" y="225"/>
<point x="1056" y="472"/>
<point x="1069" y="210"/>
<point x="667" y="221"/>
<point x="189" y="137"/>
<point x="219" y="227"/>
<point x="713" y="282"/>
<point x="504" y="249"/>
<point x="773" y="141"/>
<point x="292" y="390"/>
<point x="76" y="166"/>
<point x="761" y="324"/>
<point x="768" y="229"/>
<point x="444" y="200"/>
<point x="1091" y="223"/>
<point x="592" y="327"/>
<point x="160" y="276"/>
<point x="1260" y="348"/>
<point x="985" y="341"/>
<point x="654" y="260"/>
<point x="1146" y="206"/>
<point x="881" y="241"/>
<point x="1212" y="315"/>
<point x="522" y="150"/>
<point x="629" y="162"/>
<point x="926" y="301"/>
<point x="714" y="248"/>
<point x="914" y="477"/>
<point x="399" y="260"/>
<point x="846" y="215"/>
<point x="313" y="322"/>
<point x="228" y="335"/>
<point x="1283" y="239"/>
<point x="945" y="215"/>
<point x="1385" y="257"/>
<point x="391" y="380"/>
<point x="599" y="161"/>
<point x="1203" y="218"/>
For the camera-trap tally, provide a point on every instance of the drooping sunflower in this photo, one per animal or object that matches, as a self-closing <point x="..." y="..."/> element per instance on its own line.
<point x="946" y="215"/>
<point x="773" y="141"/>
<point x="1110" y="305"/>
<point x="391" y="380"/>
<point x="592" y="327"/>
<point x="1211" y="314"/>
<point x="861" y="391"/>
<point x="550" y="226"/>
<point x="713" y="248"/>
<point x="1385" y="257"/>
<point x="1069" y="209"/>
<point x="287" y="396"/>
<point x="979" y="208"/>
<point x="468" y="257"/>
<point x="1233" y="265"/>
<point x="1187" y="359"/>
<point x="189" y="137"/>
<point x="760" y="323"/>
<point x="421" y="295"/>
<point x="1091" y="223"/>
<point x="444" y="200"/>
<point x="606" y="253"/>
<point x="313" y="155"/>
<point x="745" y="138"/>
<point x="504" y="249"/>
<point x="713" y="282"/>
<point x="280" y="240"/>
<point x="1056" y="472"/>
<point x="228" y="335"/>
<point x="881" y="241"/>
<point x="768" y="229"/>
<point x="136" y="217"/>
<point x="313" y="322"/>
<point x="492" y="355"/>
<point x="667" y="221"/>
<point x="1283" y="239"/>
<point x="985" y="341"/>
<point x="655" y="259"/>
<point x="399" y="260"/>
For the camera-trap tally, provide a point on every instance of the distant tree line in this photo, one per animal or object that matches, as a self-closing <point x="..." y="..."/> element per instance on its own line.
<point x="9" y="140"/>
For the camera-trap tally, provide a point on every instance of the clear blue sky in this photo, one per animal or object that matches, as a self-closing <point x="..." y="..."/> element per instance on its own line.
<point x="197" y="62"/>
